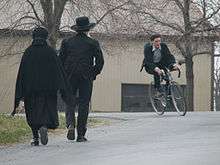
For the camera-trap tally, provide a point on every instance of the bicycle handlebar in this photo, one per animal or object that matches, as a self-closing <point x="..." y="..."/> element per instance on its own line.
<point x="179" y="72"/>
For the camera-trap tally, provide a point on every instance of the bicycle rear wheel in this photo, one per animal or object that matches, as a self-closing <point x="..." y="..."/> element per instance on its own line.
<point x="158" y="103"/>
<point x="178" y="99"/>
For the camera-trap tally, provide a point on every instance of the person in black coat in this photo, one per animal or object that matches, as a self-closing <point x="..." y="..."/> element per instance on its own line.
<point x="39" y="78"/>
<point x="157" y="57"/>
<point x="83" y="60"/>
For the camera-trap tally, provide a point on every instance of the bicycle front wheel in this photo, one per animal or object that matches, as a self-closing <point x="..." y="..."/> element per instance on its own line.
<point x="178" y="99"/>
<point x="158" y="102"/>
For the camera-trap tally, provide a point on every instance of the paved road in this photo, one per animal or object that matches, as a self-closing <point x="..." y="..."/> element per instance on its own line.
<point x="131" y="139"/>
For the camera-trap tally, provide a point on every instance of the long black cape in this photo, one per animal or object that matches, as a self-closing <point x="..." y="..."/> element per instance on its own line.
<point x="40" y="71"/>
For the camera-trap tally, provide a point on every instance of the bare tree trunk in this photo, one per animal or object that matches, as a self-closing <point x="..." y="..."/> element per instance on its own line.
<point x="53" y="10"/>
<point x="189" y="56"/>
<point x="190" y="84"/>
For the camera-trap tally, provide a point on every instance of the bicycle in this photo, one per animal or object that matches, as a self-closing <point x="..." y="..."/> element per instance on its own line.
<point x="173" y="93"/>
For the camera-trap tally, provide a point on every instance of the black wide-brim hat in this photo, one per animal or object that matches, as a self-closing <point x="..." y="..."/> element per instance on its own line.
<point x="83" y="24"/>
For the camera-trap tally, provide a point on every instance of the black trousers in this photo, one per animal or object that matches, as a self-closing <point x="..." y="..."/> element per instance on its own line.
<point x="156" y="76"/>
<point x="156" y="80"/>
<point x="35" y="130"/>
<point x="83" y="87"/>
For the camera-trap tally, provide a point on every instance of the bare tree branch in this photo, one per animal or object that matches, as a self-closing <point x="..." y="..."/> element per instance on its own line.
<point x="158" y="20"/>
<point x="110" y="11"/>
<point x="203" y="20"/>
<point x="179" y="4"/>
<point x="35" y="12"/>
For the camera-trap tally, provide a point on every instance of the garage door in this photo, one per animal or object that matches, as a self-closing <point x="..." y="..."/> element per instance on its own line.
<point x="135" y="98"/>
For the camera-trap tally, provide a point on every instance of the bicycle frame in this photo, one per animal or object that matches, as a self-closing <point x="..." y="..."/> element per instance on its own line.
<point x="168" y="86"/>
<point x="167" y="77"/>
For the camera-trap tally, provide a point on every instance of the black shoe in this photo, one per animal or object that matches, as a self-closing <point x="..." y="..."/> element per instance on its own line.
<point x="81" y="139"/>
<point x="71" y="133"/>
<point x="35" y="142"/>
<point x="43" y="135"/>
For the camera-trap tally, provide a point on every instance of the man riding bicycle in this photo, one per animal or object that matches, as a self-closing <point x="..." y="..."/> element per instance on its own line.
<point x="157" y="58"/>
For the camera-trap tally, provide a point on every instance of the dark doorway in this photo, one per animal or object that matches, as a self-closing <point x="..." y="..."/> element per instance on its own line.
<point x="135" y="98"/>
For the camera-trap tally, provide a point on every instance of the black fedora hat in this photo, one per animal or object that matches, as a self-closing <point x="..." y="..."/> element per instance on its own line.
<point x="82" y="24"/>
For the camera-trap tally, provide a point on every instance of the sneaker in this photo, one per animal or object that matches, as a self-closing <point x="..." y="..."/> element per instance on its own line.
<point x="43" y="135"/>
<point x="81" y="139"/>
<point x="71" y="133"/>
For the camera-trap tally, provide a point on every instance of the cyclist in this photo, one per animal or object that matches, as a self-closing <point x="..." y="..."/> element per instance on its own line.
<point x="157" y="58"/>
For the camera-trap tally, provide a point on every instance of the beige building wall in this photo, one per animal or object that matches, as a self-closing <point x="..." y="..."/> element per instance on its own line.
<point x="8" y="69"/>
<point x="7" y="79"/>
<point x="122" y="64"/>
<point x="202" y="83"/>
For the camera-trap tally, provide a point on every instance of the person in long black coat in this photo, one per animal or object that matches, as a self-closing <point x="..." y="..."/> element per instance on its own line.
<point x="39" y="78"/>
<point x="83" y="60"/>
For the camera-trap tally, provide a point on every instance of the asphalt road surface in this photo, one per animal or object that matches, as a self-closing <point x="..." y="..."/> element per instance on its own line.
<point x="130" y="139"/>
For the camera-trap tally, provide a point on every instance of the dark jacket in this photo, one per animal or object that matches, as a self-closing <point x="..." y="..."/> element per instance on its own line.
<point x="78" y="54"/>
<point x="166" y="60"/>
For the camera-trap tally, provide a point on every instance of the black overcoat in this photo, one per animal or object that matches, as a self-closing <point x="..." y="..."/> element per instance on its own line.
<point x="78" y="54"/>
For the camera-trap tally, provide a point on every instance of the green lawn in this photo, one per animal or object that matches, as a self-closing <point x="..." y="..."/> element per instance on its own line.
<point x="15" y="129"/>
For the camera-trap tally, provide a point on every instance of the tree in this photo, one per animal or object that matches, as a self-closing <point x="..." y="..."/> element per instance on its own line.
<point x="48" y="13"/>
<point x="216" y="21"/>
